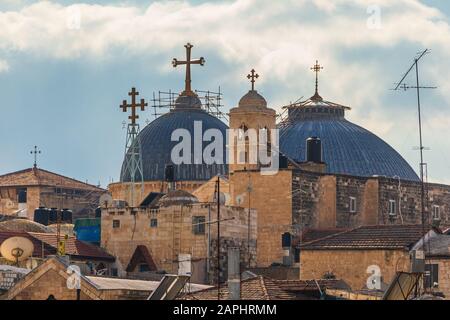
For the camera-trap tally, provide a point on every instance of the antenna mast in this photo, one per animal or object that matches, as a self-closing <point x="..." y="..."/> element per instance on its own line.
<point x="403" y="86"/>
<point x="133" y="157"/>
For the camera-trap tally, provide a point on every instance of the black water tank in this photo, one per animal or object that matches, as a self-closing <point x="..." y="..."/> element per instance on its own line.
<point x="169" y="173"/>
<point x="283" y="161"/>
<point x="66" y="216"/>
<point x="53" y="216"/>
<point x="313" y="150"/>
<point x="41" y="216"/>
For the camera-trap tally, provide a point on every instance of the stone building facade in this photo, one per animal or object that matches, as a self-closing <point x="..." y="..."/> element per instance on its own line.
<point x="180" y="230"/>
<point x="24" y="191"/>
<point x="295" y="200"/>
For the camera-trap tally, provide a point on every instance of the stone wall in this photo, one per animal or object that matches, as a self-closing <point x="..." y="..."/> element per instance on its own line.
<point x="443" y="275"/>
<point x="351" y="265"/>
<point x="174" y="234"/>
<point x="122" y="190"/>
<point x="271" y="197"/>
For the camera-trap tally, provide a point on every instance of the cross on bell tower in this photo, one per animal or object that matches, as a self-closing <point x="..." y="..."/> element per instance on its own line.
<point x="253" y="76"/>
<point x="201" y="61"/>
<point x="316" y="68"/>
<point x="133" y="94"/>
<point x="35" y="152"/>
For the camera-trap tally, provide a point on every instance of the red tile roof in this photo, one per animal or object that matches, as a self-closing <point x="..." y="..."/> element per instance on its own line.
<point x="75" y="247"/>
<point x="141" y="255"/>
<point x="370" y="237"/>
<point x="257" y="288"/>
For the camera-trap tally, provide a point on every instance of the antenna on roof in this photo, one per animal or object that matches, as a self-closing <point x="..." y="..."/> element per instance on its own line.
<point x="402" y="85"/>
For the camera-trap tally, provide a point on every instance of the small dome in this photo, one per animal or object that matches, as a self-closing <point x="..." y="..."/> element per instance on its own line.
<point x="253" y="100"/>
<point x="176" y="198"/>
<point x="23" y="225"/>
<point x="188" y="102"/>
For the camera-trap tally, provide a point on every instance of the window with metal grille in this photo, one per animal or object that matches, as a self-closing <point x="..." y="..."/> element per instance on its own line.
<point x="392" y="207"/>
<point x="436" y="212"/>
<point x="198" y="224"/>
<point x="116" y="224"/>
<point x="352" y="204"/>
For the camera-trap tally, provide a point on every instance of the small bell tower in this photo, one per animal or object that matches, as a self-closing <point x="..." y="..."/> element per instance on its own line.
<point x="246" y="121"/>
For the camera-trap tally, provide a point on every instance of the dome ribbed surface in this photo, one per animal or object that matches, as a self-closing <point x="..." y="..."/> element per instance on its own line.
<point x="347" y="148"/>
<point x="156" y="146"/>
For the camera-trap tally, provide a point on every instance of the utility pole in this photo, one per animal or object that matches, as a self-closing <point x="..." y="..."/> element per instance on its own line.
<point x="218" y="238"/>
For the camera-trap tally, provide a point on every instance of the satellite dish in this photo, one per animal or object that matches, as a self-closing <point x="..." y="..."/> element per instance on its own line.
<point x="106" y="200"/>
<point x="16" y="249"/>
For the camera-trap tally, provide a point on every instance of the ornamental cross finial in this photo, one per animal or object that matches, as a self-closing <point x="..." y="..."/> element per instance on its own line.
<point x="253" y="76"/>
<point x="201" y="61"/>
<point x="133" y="94"/>
<point x="35" y="152"/>
<point x="316" y="68"/>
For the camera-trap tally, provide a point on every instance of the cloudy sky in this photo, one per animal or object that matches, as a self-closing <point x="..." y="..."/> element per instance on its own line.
<point x="65" y="68"/>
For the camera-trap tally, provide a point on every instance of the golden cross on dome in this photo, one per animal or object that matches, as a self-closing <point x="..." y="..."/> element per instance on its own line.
<point x="316" y="68"/>
<point x="201" y="61"/>
<point x="133" y="94"/>
<point x="252" y="75"/>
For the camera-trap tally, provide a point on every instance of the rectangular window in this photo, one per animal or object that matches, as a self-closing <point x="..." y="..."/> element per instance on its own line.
<point x="198" y="224"/>
<point x="352" y="204"/>
<point x="431" y="276"/>
<point x="22" y="195"/>
<point x="116" y="224"/>
<point x="392" y="207"/>
<point x="436" y="213"/>
<point x="153" y="223"/>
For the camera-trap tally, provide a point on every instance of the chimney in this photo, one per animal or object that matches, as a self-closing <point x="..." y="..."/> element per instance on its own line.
<point x="313" y="158"/>
<point x="234" y="274"/>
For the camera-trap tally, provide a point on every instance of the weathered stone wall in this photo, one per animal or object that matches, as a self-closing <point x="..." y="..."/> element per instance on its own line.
<point x="122" y="190"/>
<point x="271" y="196"/>
<point x="443" y="276"/>
<point x="351" y="265"/>
<point x="174" y="234"/>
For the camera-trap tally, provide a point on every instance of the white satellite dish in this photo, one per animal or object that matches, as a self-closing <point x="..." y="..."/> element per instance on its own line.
<point x="16" y="249"/>
<point x="106" y="200"/>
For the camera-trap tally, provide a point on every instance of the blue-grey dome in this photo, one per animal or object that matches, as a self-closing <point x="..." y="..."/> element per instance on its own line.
<point x="156" y="144"/>
<point x="347" y="147"/>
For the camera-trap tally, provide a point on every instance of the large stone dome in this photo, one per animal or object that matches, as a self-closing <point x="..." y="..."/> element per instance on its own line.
<point x="347" y="147"/>
<point x="156" y="144"/>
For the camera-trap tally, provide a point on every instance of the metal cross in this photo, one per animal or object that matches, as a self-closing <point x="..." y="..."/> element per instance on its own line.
<point x="133" y="94"/>
<point x="187" y="90"/>
<point x="35" y="152"/>
<point x="252" y="75"/>
<point x="316" y="68"/>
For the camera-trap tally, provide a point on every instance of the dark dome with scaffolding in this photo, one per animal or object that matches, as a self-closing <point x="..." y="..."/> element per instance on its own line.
<point x="347" y="147"/>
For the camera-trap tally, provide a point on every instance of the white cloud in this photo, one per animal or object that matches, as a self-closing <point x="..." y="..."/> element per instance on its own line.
<point x="281" y="39"/>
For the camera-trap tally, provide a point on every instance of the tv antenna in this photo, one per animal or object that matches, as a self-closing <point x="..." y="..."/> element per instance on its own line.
<point x="402" y="85"/>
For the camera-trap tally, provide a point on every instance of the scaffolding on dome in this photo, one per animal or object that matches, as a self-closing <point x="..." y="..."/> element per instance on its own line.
<point x="164" y="101"/>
